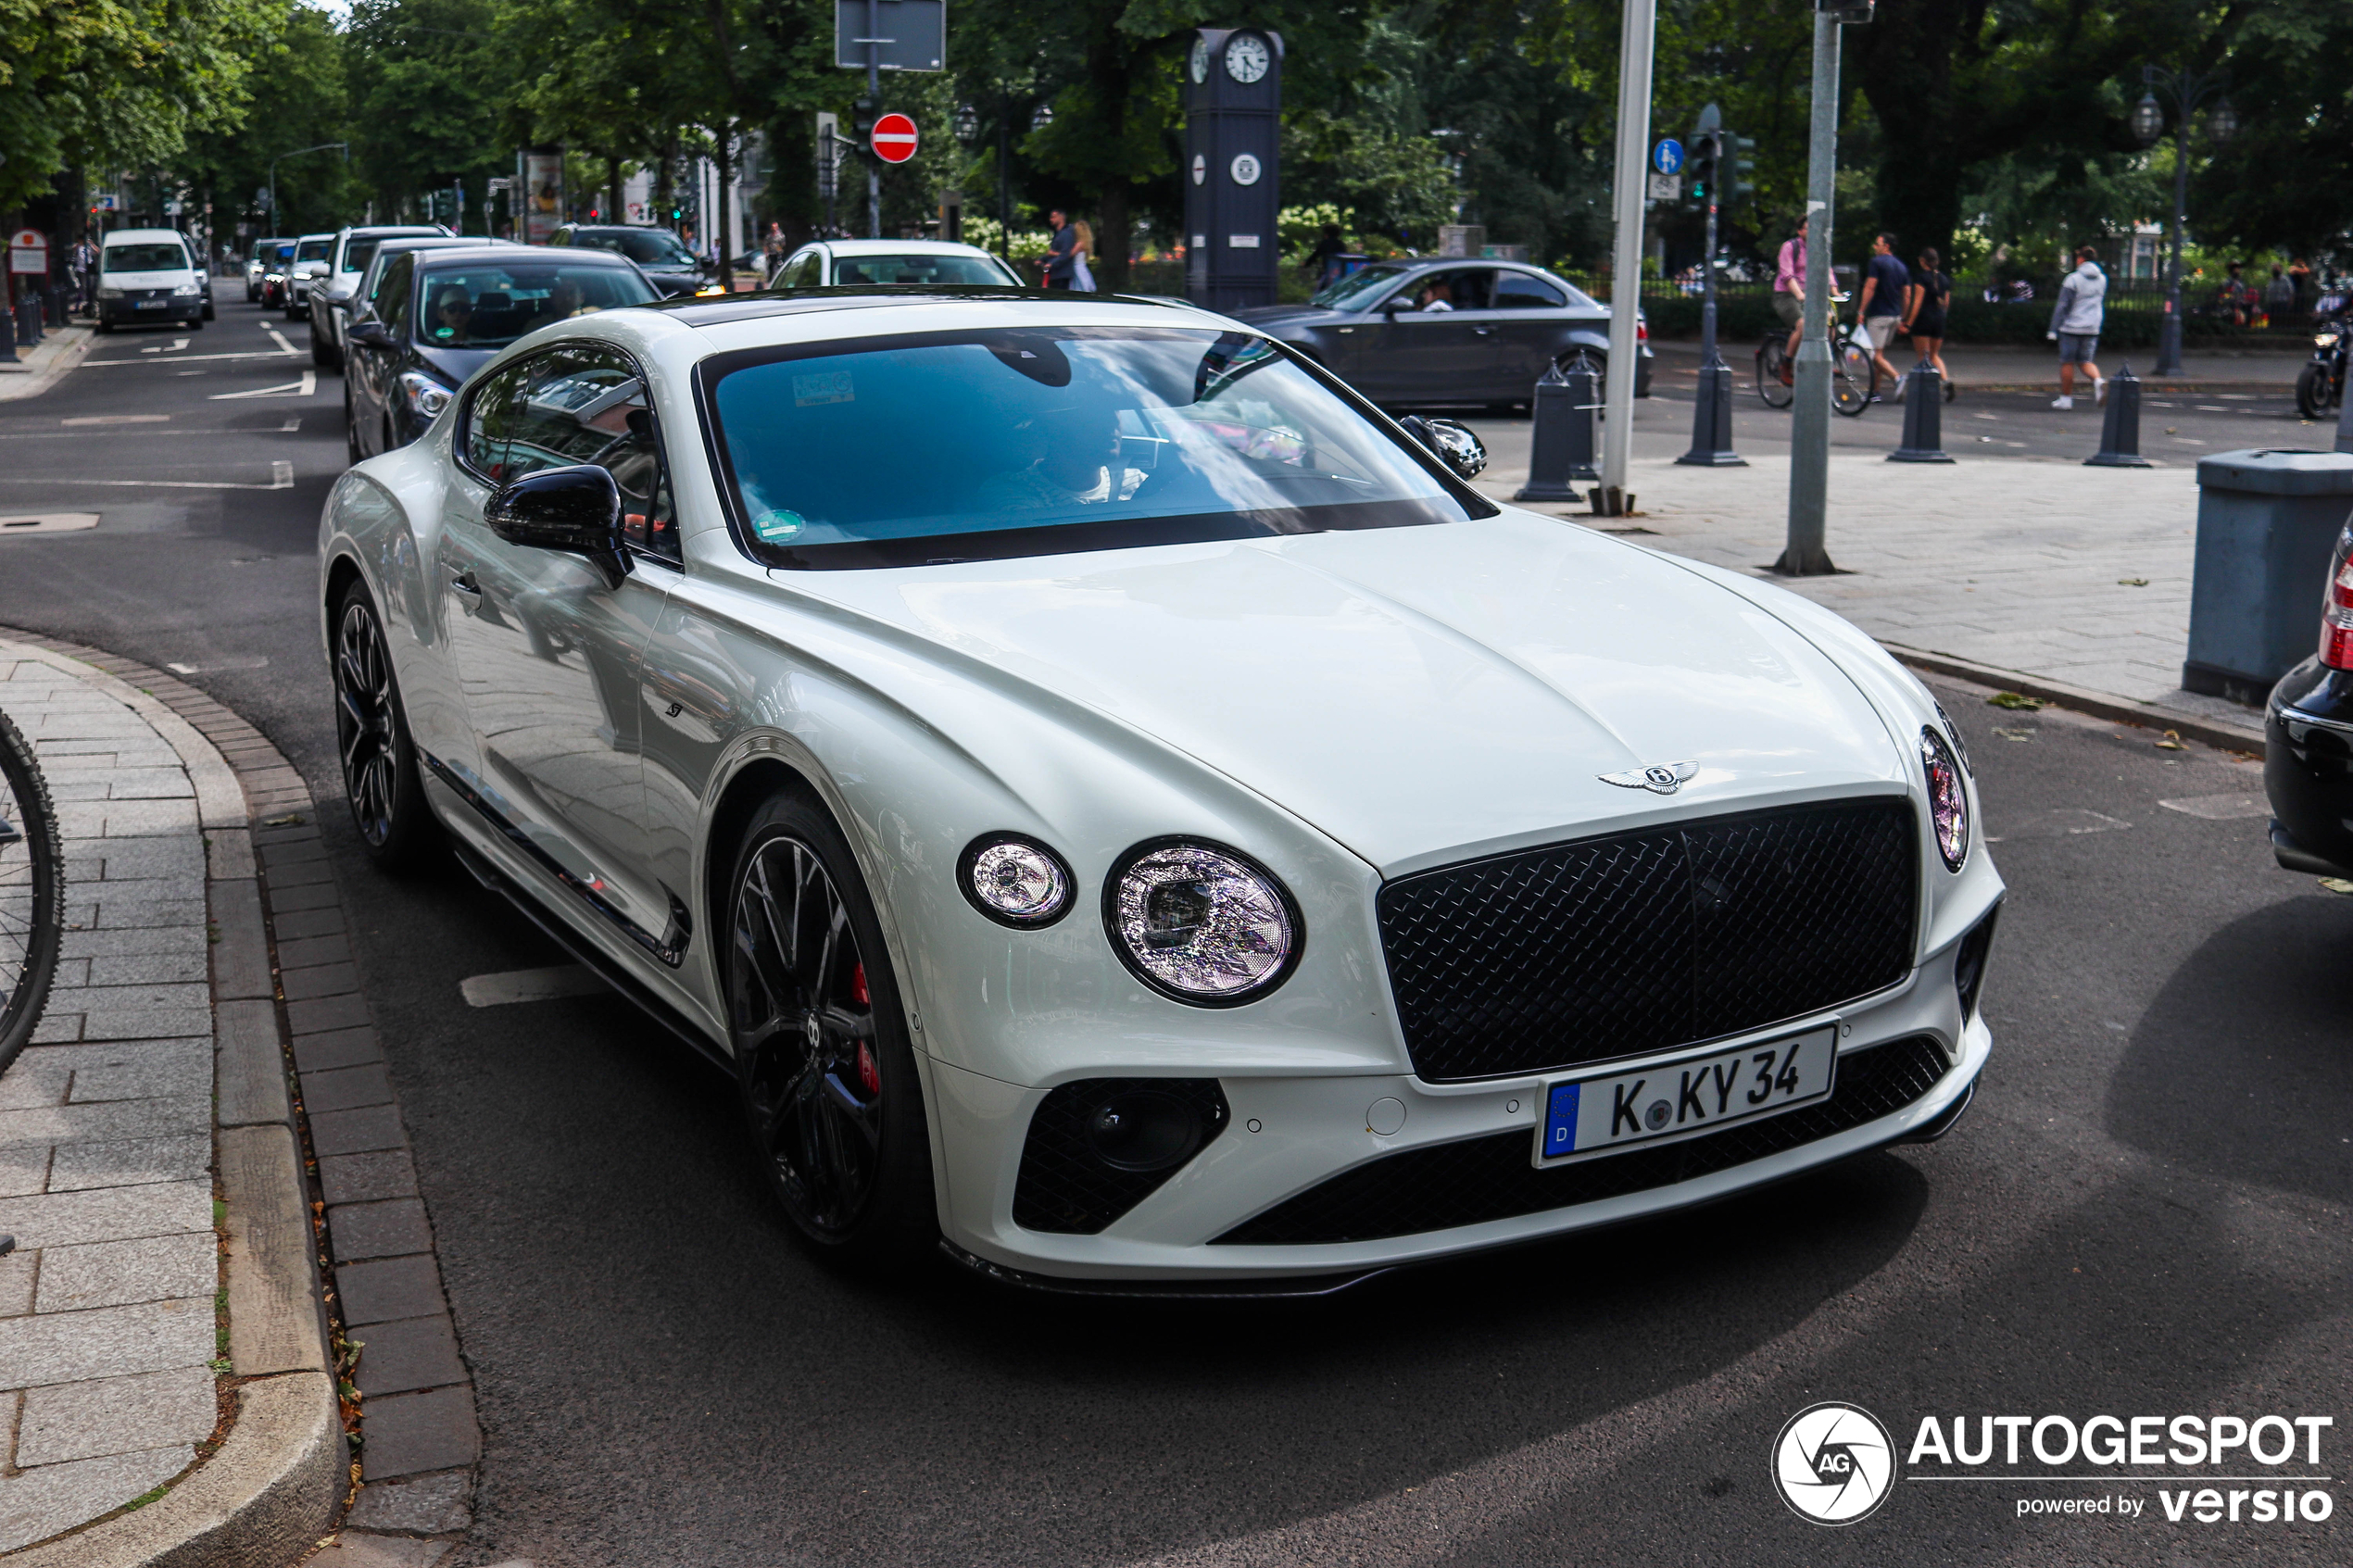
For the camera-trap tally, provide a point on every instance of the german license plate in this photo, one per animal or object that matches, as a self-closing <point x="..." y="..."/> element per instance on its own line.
<point x="149" y="304"/>
<point x="1584" y="1117"/>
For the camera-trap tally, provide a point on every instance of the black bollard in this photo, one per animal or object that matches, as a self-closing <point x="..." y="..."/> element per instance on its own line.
<point x="8" y="327"/>
<point x="2121" y="430"/>
<point x="1561" y="443"/>
<point x="1923" y="417"/>
<point x="1712" y="419"/>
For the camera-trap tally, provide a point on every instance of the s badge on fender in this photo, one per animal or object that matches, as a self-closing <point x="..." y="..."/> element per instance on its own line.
<point x="1659" y="778"/>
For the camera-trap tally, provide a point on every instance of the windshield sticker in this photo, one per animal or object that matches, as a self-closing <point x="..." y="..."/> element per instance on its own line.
<point x="775" y="527"/>
<point x="826" y="386"/>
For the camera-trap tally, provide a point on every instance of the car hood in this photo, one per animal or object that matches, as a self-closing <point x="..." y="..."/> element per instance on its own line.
<point x="1276" y="319"/>
<point x="1423" y="694"/>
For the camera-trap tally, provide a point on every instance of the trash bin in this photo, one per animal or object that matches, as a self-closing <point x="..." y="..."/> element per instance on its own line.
<point x="2267" y="524"/>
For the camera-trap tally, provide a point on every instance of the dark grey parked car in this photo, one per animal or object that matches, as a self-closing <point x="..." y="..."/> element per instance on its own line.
<point x="1503" y="325"/>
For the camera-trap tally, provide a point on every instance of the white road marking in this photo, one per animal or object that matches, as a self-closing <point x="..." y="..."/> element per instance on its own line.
<point x="279" y="338"/>
<point x="2220" y="808"/>
<point x="529" y="985"/>
<point x="117" y="420"/>
<point x="191" y="359"/>
<point x="49" y="523"/>
<point x="281" y="477"/>
<point x="303" y="388"/>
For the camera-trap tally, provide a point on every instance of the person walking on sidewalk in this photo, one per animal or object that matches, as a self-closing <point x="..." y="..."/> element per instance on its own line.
<point x="1924" y="313"/>
<point x="1059" y="268"/>
<point x="1789" y="293"/>
<point x="2075" y="327"/>
<point x="1886" y="283"/>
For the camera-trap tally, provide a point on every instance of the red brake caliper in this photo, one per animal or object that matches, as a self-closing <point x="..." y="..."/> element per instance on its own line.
<point x="869" y="1072"/>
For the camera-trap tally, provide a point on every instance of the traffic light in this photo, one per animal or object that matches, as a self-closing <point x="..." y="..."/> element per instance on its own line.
<point x="864" y="112"/>
<point x="1737" y="182"/>
<point x="1700" y="167"/>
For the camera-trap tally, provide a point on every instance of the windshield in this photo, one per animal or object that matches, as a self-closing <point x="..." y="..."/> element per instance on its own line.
<point x="989" y="444"/>
<point x="489" y="306"/>
<point x="313" y="250"/>
<point x="166" y="257"/>
<point x="356" y="253"/>
<point x="850" y="271"/>
<point x="282" y="255"/>
<point x="645" y="246"/>
<point x="1350" y="293"/>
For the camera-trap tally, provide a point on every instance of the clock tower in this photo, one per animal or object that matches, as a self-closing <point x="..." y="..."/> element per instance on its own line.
<point x="1233" y="111"/>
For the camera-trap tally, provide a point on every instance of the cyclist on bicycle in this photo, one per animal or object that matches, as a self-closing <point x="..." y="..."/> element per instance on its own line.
<point x="1789" y="289"/>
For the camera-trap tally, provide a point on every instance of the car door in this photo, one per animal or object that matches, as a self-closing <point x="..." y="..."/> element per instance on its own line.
<point x="546" y="651"/>
<point x="369" y="368"/>
<point x="1419" y="355"/>
<point x="1529" y="312"/>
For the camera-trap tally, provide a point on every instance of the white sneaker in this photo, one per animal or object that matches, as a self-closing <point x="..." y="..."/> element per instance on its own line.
<point x="1897" y="397"/>
<point x="2099" y="391"/>
<point x="2062" y="402"/>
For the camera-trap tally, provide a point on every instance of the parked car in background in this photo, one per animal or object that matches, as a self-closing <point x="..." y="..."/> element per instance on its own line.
<point x="388" y="251"/>
<point x="955" y="716"/>
<point x="331" y="295"/>
<point x="264" y="252"/>
<point x="2307" y="730"/>
<point x="310" y="259"/>
<point x="1442" y="332"/>
<point x="277" y="275"/>
<point x="660" y="253"/>
<point x="439" y="312"/>
<point x="858" y="263"/>
<point x="149" y="277"/>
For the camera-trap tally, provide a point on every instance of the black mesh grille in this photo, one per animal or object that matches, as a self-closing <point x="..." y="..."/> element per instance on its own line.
<point x="1490" y="1178"/>
<point x="1641" y="942"/>
<point x="1064" y="1185"/>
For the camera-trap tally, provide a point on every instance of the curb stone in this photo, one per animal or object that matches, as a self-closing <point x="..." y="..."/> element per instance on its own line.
<point x="289" y="1014"/>
<point x="2100" y="705"/>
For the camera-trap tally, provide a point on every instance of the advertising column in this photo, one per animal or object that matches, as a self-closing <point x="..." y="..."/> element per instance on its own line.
<point x="543" y="205"/>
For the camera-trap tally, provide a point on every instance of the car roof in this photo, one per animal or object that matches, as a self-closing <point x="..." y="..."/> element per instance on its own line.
<point x="504" y="250"/>
<point x="369" y="230"/>
<point x="143" y="236"/>
<point x="615" y="228"/>
<point x="327" y="235"/>
<point x="903" y="247"/>
<point x="944" y="308"/>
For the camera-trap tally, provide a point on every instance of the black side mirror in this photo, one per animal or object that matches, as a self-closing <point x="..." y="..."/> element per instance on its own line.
<point x="367" y="333"/>
<point x="576" y="508"/>
<point x="1456" y="446"/>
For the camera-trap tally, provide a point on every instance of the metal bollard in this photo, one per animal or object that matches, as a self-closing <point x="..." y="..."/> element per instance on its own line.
<point x="2121" y="430"/>
<point x="7" y="331"/>
<point x="1561" y="444"/>
<point x="1712" y="419"/>
<point x="1923" y="417"/>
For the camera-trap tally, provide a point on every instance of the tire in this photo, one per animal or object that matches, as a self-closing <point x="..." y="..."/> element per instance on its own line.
<point x="32" y="892"/>
<point x="105" y="328"/>
<point x="829" y="1092"/>
<point x="318" y="355"/>
<point x="194" y="326"/>
<point x="1853" y="380"/>
<point x="2313" y="391"/>
<point x="1601" y="365"/>
<point x="379" y="759"/>
<point x="1771" y="358"/>
<point x="209" y="314"/>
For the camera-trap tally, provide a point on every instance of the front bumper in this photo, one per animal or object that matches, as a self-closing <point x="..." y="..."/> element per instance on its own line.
<point x="1286" y="1136"/>
<point x="170" y="310"/>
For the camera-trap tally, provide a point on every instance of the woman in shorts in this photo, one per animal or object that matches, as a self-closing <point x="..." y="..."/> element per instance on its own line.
<point x="1924" y="308"/>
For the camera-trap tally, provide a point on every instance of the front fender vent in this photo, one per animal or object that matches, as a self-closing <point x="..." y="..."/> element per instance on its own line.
<point x="1101" y="1145"/>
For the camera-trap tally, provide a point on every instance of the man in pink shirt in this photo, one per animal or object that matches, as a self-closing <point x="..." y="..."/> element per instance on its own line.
<point x="1789" y="289"/>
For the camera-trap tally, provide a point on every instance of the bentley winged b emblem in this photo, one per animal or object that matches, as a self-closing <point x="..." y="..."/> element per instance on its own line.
<point x="1659" y="778"/>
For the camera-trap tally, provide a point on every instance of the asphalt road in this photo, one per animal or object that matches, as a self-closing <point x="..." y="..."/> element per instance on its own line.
<point x="2149" y="1210"/>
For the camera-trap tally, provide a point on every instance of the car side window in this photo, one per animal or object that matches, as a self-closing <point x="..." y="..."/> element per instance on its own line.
<point x="391" y="298"/>
<point x="583" y="403"/>
<point x="1519" y="291"/>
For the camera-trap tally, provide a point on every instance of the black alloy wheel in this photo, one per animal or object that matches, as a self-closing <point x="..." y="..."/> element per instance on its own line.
<point x="372" y="739"/>
<point x="825" y="1063"/>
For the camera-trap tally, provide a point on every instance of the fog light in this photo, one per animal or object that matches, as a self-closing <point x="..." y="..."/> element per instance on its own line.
<point x="1144" y="1130"/>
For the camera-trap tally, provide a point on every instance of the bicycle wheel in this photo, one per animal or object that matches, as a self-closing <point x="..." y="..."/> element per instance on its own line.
<point x="1851" y="381"/>
<point x="33" y="893"/>
<point x="1772" y="362"/>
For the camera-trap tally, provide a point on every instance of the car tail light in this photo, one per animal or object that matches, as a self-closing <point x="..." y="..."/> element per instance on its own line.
<point x="2336" y="609"/>
<point x="1641" y="330"/>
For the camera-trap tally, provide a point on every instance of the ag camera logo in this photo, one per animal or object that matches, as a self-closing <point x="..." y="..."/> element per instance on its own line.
<point x="1834" y="1463"/>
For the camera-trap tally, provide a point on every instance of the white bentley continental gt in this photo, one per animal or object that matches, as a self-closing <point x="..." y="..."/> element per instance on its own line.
<point x="1126" y="814"/>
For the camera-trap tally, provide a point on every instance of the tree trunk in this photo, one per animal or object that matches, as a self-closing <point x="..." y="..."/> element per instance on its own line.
<point x="662" y="172"/>
<point x="1111" y="225"/>
<point x="723" y="228"/>
<point x="1107" y="68"/>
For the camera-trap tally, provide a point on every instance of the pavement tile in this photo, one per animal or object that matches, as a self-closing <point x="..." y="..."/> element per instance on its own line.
<point x="24" y="1171"/>
<point x="123" y="914"/>
<point x="67" y="1219"/>
<point x="147" y="969"/>
<point x="323" y="980"/>
<point x="79" y="1166"/>
<point x="336" y="1047"/>
<point x="178" y="1066"/>
<point x="357" y="1131"/>
<point x="406" y="1354"/>
<point x="16" y="1284"/>
<point x="150" y="784"/>
<point x="430" y="1505"/>
<point x="344" y="1011"/>
<point x="342" y="1088"/>
<point x="116" y="1415"/>
<point x="361" y="1178"/>
<point x="115" y="1273"/>
<point x="114" y="1122"/>
<point x="115" y="943"/>
<point x="316" y="895"/>
<point x="38" y="1077"/>
<point x="409" y="1434"/>
<point x="39" y="1503"/>
<point x="305" y="952"/>
<point x="105" y="1342"/>
<point x="145" y="1024"/>
<point x="292" y="923"/>
<point x="140" y="819"/>
<point x="385" y="1229"/>
<point x="357" y="1549"/>
<point x="390" y="1287"/>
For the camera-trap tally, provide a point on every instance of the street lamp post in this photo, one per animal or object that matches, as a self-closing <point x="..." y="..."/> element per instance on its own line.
<point x="2186" y="90"/>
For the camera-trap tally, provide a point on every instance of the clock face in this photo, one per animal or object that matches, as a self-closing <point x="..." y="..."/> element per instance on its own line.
<point x="1248" y="57"/>
<point x="1201" y="60"/>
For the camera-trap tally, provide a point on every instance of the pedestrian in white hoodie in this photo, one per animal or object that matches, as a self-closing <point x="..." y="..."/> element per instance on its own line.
<point x="2075" y="326"/>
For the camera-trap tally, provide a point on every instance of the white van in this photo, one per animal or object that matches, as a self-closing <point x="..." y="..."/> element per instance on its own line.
<point x="148" y="275"/>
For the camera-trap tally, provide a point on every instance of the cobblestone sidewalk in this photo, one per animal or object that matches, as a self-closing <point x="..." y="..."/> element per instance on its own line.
<point x="106" y="1133"/>
<point x="2077" y="575"/>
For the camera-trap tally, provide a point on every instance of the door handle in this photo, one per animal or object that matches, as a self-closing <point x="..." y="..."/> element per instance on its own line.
<point x="1484" y="331"/>
<point x="464" y="583"/>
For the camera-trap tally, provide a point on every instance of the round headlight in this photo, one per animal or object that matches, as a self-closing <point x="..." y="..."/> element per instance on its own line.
<point x="1947" y="799"/>
<point x="1201" y="924"/>
<point x="1015" y="882"/>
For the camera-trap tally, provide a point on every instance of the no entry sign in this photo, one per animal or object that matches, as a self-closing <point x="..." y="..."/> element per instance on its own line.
<point x="894" y="138"/>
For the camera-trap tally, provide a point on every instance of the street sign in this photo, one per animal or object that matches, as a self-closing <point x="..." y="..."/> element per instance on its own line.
<point x="906" y="34"/>
<point x="29" y="251"/>
<point x="1667" y="157"/>
<point x="894" y="138"/>
<point x="828" y="155"/>
<point x="1666" y="187"/>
